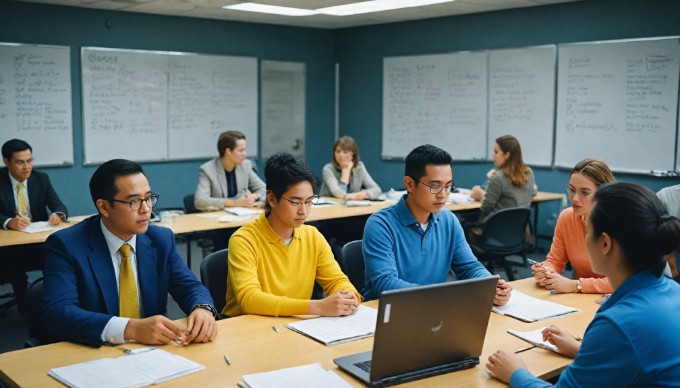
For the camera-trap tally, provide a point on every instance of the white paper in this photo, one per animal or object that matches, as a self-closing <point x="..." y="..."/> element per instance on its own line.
<point x="530" y="309"/>
<point x="325" y="202"/>
<point x="337" y="330"/>
<point x="242" y="211"/>
<point x="460" y="197"/>
<point x="37" y="227"/>
<point x="305" y="376"/>
<point x="534" y="337"/>
<point x="358" y="203"/>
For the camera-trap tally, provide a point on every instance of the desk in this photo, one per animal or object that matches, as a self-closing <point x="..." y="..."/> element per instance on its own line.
<point x="254" y="347"/>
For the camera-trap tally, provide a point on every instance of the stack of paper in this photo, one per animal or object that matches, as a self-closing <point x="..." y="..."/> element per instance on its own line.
<point x="136" y="370"/>
<point x="534" y="337"/>
<point x="242" y="211"/>
<point x="358" y="203"/>
<point x="460" y="197"/>
<point x="338" y="330"/>
<point x="306" y="376"/>
<point x="530" y="309"/>
<point x="37" y="227"/>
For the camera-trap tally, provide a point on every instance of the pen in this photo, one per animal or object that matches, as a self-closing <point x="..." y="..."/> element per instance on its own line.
<point x="137" y="351"/>
<point x="276" y="329"/>
<point x="534" y="262"/>
<point x="524" y="349"/>
<point x="226" y="358"/>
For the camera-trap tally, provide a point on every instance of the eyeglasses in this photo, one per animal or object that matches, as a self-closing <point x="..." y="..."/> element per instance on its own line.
<point x="135" y="204"/>
<point x="307" y="203"/>
<point x="436" y="189"/>
<point x="583" y="193"/>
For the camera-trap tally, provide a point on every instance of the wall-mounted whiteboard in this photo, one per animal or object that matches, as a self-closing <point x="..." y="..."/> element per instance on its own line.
<point x="617" y="101"/>
<point x="522" y="100"/>
<point x="35" y="100"/>
<point x="436" y="99"/>
<point x="168" y="106"/>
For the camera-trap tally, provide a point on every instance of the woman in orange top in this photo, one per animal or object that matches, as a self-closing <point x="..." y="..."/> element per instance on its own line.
<point x="569" y="241"/>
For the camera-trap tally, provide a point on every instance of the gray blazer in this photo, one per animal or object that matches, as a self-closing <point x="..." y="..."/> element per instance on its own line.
<point x="211" y="191"/>
<point x="359" y="180"/>
<point x="502" y="194"/>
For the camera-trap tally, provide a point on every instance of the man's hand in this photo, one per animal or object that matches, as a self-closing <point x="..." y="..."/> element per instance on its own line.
<point x="201" y="327"/>
<point x="339" y="304"/>
<point x="19" y="223"/>
<point x="503" y="291"/>
<point x="156" y="330"/>
<point x="54" y="219"/>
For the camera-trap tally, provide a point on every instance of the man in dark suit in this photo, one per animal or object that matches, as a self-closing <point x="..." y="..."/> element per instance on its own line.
<point x="107" y="278"/>
<point x="25" y="196"/>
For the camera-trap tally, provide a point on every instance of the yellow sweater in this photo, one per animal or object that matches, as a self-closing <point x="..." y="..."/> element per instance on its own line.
<point x="266" y="277"/>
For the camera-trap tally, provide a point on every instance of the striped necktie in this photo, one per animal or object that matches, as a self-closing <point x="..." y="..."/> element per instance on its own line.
<point x="127" y="294"/>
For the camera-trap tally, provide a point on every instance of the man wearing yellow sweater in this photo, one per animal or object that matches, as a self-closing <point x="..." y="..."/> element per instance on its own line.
<point x="274" y="260"/>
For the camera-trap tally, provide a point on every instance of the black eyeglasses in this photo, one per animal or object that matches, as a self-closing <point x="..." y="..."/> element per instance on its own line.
<point x="135" y="204"/>
<point x="307" y="203"/>
<point x="436" y="189"/>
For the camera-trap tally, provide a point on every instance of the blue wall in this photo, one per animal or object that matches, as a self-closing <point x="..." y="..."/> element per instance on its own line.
<point x="359" y="51"/>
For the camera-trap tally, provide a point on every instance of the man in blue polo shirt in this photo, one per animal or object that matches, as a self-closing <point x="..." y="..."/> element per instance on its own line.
<point x="413" y="242"/>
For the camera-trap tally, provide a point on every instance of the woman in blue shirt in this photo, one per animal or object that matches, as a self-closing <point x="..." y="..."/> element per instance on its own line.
<point x="632" y="340"/>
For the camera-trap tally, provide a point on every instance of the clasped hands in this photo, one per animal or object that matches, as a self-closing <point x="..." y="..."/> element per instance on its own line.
<point x="551" y="280"/>
<point x="341" y="303"/>
<point x="159" y="330"/>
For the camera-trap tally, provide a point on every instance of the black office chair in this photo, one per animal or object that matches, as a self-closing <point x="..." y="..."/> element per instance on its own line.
<point x="503" y="234"/>
<point x="214" y="269"/>
<point x="352" y="263"/>
<point x="189" y="206"/>
<point x="35" y="328"/>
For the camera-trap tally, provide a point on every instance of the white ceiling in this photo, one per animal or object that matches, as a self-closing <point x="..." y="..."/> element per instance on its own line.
<point x="212" y="9"/>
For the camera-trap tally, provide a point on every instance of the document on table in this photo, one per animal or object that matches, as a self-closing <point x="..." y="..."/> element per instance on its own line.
<point x="530" y="309"/>
<point x="136" y="370"/>
<point x="242" y="211"/>
<point x="534" y="337"/>
<point x="357" y="203"/>
<point x="305" y="376"/>
<point x="460" y="197"/>
<point x="337" y="330"/>
<point x="325" y="202"/>
<point x="37" y="227"/>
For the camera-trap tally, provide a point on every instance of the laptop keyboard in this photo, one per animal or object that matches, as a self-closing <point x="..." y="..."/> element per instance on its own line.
<point x="364" y="365"/>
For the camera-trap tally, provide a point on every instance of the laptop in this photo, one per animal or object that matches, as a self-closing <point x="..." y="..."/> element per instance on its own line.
<point x="425" y="331"/>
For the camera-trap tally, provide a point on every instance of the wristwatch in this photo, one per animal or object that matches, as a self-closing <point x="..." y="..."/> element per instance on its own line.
<point x="579" y="286"/>
<point x="208" y="307"/>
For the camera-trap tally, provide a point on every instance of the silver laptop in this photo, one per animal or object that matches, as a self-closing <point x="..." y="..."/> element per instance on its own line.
<point x="425" y="331"/>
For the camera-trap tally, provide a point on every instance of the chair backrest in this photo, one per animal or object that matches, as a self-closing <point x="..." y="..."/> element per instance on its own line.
<point x="189" y="204"/>
<point x="352" y="263"/>
<point x="504" y="231"/>
<point x="214" y="269"/>
<point x="35" y="327"/>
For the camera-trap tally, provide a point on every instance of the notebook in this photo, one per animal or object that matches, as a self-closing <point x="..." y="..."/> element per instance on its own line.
<point x="338" y="330"/>
<point x="425" y="331"/>
<point x="529" y="309"/>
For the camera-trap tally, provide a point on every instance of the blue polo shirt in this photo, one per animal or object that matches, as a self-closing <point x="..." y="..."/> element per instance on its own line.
<point x="398" y="254"/>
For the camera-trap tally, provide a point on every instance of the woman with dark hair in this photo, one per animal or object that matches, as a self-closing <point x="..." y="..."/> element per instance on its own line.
<point x="632" y="341"/>
<point x="346" y="176"/>
<point x="569" y="241"/>
<point x="511" y="184"/>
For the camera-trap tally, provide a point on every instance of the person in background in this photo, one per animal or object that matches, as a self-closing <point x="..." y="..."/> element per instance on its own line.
<point x="632" y="340"/>
<point x="511" y="184"/>
<point x="670" y="196"/>
<point x="414" y="242"/>
<point x="569" y="241"/>
<point x="228" y="180"/>
<point x="25" y="197"/>
<point x="107" y="278"/>
<point x="346" y="176"/>
<point x="275" y="260"/>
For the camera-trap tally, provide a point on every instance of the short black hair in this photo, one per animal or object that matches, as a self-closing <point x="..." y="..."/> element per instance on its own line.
<point x="636" y="218"/>
<point x="421" y="156"/>
<point x="283" y="170"/>
<point x="103" y="181"/>
<point x="12" y="146"/>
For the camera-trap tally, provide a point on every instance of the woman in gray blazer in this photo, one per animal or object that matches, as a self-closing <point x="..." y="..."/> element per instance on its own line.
<point x="346" y="177"/>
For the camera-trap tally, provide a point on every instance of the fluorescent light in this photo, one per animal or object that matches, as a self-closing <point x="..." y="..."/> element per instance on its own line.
<point x="376" y="6"/>
<point x="273" y="9"/>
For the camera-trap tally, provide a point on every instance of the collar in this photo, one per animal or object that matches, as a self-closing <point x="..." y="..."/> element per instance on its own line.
<point x="15" y="182"/>
<point x="268" y="232"/>
<point x="405" y="216"/>
<point x="635" y="282"/>
<point x="114" y="243"/>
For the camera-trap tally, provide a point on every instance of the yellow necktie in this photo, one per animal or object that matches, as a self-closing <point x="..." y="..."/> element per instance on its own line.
<point x="22" y="205"/>
<point x="129" y="305"/>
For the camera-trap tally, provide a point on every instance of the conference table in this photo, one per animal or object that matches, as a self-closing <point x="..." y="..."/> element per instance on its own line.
<point x="253" y="346"/>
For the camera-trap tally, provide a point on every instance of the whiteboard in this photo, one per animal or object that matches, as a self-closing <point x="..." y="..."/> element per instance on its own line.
<point x="168" y="106"/>
<point x="35" y="100"/>
<point x="617" y="101"/>
<point x="522" y="100"/>
<point x="436" y="99"/>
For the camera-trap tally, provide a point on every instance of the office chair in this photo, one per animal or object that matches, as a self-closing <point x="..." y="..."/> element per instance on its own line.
<point x="8" y="304"/>
<point x="214" y="269"/>
<point x="503" y="234"/>
<point x="35" y="328"/>
<point x="352" y="263"/>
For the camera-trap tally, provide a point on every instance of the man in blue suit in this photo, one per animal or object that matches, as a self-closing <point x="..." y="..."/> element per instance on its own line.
<point x="86" y="266"/>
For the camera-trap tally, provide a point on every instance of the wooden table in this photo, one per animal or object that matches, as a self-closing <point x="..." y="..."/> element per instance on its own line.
<point x="253" y="347"/>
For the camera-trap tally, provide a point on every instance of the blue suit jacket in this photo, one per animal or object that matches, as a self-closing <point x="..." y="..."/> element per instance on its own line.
<point x="80" y="293"/>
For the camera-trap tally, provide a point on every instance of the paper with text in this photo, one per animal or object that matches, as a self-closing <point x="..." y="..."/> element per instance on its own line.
<point x="534" y="337"/>
<point x="337" y="330"/>
<point x="530" y="309"/>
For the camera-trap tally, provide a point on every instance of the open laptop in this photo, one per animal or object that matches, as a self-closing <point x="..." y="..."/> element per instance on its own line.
<point x="425" y="331"/>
